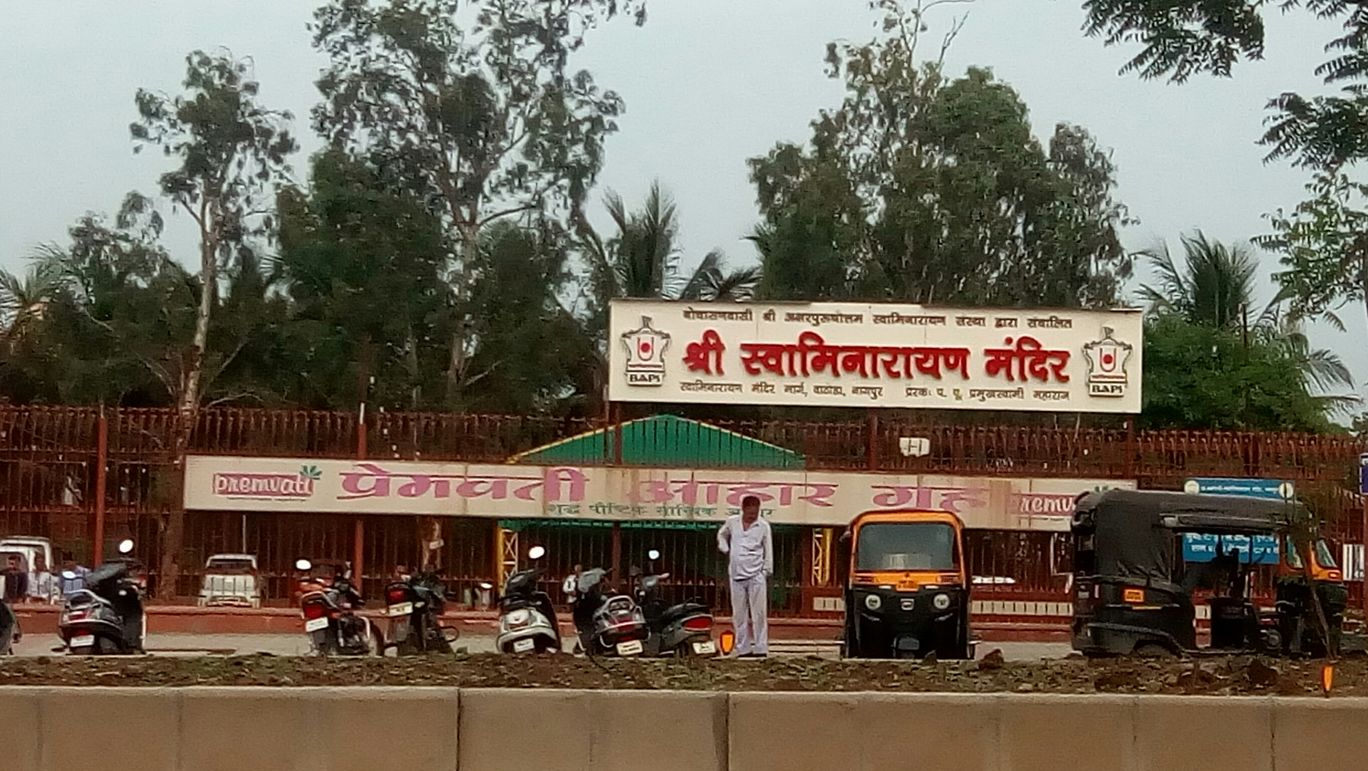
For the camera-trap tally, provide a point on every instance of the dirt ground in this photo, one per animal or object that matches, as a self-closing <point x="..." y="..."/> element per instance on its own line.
<point x="1206" y="676"/>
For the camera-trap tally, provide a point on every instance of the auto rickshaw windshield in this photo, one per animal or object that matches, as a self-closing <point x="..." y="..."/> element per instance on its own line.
<point x="1323" y="555"/>
<point x="891" y="546"/>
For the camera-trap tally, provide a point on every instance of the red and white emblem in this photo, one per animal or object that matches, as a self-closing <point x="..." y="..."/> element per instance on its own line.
<point x="646" y="348"/>
<point x="1107" y="359"/>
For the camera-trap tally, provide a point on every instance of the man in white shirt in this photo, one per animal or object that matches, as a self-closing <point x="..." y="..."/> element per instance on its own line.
<point x="746" y="541"/>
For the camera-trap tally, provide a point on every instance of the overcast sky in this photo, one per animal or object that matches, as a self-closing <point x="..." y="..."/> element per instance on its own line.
<point x="708" y="84"/>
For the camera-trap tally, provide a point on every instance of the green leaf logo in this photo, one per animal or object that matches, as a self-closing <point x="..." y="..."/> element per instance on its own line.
<point x="310" y="472"/>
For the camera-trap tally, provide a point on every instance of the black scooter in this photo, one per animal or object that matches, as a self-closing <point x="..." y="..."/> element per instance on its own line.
<point x="415" y="610"/>
<point x="608" y="623"/>
<point x="106" y="617"/>
<point x="683" y="629"/>
<point x="330" y="620"/>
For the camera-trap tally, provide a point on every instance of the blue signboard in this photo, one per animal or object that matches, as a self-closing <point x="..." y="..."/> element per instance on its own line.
<point x="1272" y="489"/>
<point x="1261" y="549"/>
<point x="1202" y="547"/>
<point x="1363" y="479"/>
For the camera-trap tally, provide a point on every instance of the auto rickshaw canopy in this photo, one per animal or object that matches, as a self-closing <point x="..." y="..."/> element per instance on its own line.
<point x="1132" y="531"/>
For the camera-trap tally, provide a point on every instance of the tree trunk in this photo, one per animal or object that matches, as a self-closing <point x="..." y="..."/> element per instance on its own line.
<point x="456" y="364"/>
<point x="187" y="414"/>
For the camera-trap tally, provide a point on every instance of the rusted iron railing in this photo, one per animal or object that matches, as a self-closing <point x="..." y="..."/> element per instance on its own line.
<point x="56" y="461"/>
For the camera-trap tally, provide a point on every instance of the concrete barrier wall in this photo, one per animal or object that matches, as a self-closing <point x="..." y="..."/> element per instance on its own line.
<point x="424" y="729"/>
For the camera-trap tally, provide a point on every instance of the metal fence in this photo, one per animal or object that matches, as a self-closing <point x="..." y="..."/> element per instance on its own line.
<point x="63" y="468"/>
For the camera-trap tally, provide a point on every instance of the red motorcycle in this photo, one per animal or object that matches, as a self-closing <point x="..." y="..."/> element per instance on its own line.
<point x="328" y="605"/>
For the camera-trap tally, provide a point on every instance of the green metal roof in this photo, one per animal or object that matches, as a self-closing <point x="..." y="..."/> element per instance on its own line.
<point x="666" y="441"/>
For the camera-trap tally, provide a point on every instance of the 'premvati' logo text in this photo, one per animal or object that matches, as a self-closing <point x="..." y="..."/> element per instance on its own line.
<point x="268" y="486"/>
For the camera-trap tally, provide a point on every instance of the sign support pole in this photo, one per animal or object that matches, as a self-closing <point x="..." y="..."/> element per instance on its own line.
<point x="1363" y="539"/>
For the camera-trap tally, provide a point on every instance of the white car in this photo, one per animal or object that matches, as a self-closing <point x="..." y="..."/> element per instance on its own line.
<point x="231" y="581"/>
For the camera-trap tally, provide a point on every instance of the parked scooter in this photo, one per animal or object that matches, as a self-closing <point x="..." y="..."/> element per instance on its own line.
<point x="607" y="622"/>
<point x="527" y="619"/>
<point x="684" y="629"/>
<point x="10" y="633"/>
<point x="328" y="607"/>
<point x="414" y="607"/>
<point x="107" y="616"/>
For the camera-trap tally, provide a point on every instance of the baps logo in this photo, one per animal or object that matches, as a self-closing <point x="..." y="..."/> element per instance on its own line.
<point x="646" y="348"/>
<point x="1107" y="359"/>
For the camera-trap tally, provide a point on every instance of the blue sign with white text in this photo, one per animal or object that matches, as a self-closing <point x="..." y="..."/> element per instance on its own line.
<point x="1258" y="550"/>
<point x="1272" y="489"/>
<point x="1202" y="547"/>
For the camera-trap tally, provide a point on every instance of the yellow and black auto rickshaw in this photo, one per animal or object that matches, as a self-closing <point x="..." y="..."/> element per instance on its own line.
<point x="1133" y="592"/>
<point x="906" y="587"/>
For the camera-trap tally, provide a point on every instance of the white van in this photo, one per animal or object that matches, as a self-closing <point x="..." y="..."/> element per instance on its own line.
<point x="28" y="548"/>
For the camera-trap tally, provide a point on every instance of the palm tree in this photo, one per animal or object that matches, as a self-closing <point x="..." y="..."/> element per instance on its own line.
<point x="642" y="259"/>
<point x="23" y="300"/>
<point x="1215" y="287"/>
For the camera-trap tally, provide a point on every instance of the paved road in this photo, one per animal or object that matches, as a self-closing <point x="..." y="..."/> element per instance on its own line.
<point x="295" y="645"/>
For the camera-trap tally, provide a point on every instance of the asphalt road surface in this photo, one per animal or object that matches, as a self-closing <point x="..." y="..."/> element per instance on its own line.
<point x="296" y="645"/>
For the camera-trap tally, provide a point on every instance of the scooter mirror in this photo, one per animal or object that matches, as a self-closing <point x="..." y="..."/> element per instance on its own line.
<point x="536" y="552"/>
<point x="68" y="575"/>
<point x="653" y="554"/>
<point x="126" y="546"/>
<point x="303" y="565"/>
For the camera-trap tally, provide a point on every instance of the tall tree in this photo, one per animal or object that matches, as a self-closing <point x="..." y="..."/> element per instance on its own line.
<point x="363" y="262"/>
<point x="926" y="189"/>
<point x="474" y="109"/>
<point x="230" y="151"/>
<point x="1204" y="324"/>
<point x="1321" y="240"/>
<point x="531" y="350"/>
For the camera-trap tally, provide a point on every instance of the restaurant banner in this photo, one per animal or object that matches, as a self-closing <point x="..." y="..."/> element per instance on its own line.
<point x="826" y="498"/>
<point x="861" y="355"/>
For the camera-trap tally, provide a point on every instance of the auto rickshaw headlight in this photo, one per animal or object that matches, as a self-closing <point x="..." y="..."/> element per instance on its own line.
<point x="873" y="601"/>
<point x="942" y="601"/>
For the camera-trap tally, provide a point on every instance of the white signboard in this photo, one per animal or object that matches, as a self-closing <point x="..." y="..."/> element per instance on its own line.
<point x="860" y="355"/>
<point x="826" y="498"/>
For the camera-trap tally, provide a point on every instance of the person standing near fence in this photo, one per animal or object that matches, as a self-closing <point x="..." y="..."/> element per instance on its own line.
<point x="749" y="547"/>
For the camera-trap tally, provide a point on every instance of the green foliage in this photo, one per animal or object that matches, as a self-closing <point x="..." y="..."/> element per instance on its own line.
<point x="1214" y="286"/>
<point x="532" y="353"/>
<point x="229" y="151"/>
<point x="642" y="259"/>
<point x="1199" y="376"/>
<point x="925" y="189"/>
<point x="1210" y="357"/>
<point x="363" y="264"/>
<point x="473" y="110"/>
<point x="1324" y="254"/>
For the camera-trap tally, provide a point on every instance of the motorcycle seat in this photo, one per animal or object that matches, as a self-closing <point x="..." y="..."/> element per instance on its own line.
<point x="683" y="610"/>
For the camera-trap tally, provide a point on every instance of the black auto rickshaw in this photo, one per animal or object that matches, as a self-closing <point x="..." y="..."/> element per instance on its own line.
<point x="1133" y="592"/>
<point x="906" y="587"/>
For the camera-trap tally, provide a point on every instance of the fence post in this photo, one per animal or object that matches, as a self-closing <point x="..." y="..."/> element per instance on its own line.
<point x="872" y="440"/>
<point x="359" y="535"/>
<point x="101" y="485"/>
<point x="1130" y="451"/>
